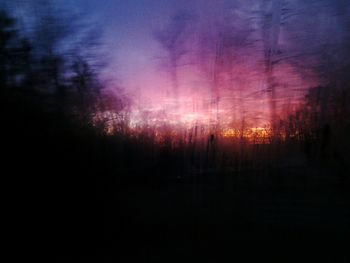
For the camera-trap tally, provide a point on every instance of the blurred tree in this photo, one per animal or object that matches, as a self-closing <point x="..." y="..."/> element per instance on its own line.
<point x="51" y="35"/>
<point x="60" y="70"/>
<point x="14" y="53"/>
<point x="173" y="39"/>
<point x="87" y="90"/>
<point x="271" y="29"/>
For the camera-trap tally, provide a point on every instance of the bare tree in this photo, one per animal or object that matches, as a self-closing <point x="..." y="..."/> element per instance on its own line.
<point x="51" y="34"/>
<point x="15" y="53"/>
<point x="173" y="39"/>
<point x="272" y="17"/>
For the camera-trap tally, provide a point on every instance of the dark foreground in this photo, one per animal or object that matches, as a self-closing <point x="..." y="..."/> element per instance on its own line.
<point x="179" y="220"/>
<point x="90" y="198"/>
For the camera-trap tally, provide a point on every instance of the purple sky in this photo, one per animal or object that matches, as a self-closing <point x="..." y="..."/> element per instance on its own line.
<point x="128" y="29"/>
<point x="135" y="57"/>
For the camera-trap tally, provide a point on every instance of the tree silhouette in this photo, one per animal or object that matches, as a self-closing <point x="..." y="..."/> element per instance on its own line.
<point x="173" y="39"/>
<point x="14" y="53"/>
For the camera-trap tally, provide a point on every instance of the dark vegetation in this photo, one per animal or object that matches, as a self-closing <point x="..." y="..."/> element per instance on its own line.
<point x="115" y="196"/>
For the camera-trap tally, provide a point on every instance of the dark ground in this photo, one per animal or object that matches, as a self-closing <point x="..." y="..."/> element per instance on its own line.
<point x="179" y="220"/>
<point x="90" y="199"/>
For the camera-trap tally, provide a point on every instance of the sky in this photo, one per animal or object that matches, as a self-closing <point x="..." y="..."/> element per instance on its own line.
<point x="129" y="27"/>
<point x="136" y="59"/>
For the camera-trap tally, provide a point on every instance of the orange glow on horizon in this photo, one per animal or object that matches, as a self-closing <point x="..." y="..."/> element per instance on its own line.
<point x="252" y="135"/>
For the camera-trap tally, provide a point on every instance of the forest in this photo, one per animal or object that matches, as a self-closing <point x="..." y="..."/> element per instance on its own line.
<point x="241" y="133"/>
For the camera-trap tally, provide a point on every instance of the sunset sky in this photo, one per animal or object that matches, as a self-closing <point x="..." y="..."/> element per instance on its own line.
<point x="137" y="61"/>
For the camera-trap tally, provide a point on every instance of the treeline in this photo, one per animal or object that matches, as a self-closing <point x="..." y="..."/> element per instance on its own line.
<point x="54" y="110"/>
<point x="53" y="98"/>
<point x="321" y="124"/>
<point x="36" y="69"/>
